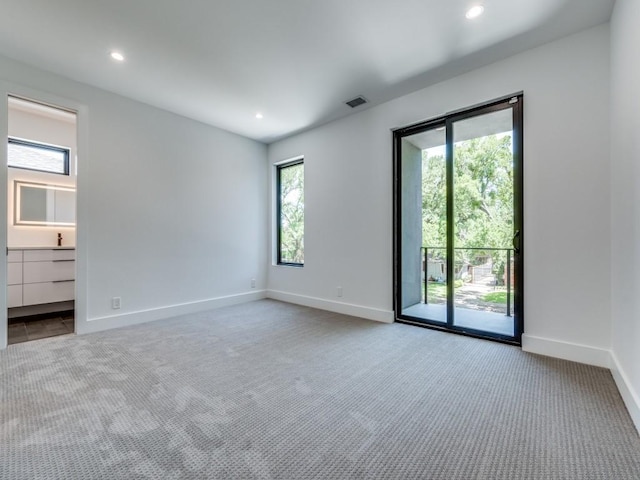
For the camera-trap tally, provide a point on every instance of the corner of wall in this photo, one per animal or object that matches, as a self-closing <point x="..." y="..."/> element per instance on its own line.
<point x="629" y="395"/>
<point x="574" y="352"/>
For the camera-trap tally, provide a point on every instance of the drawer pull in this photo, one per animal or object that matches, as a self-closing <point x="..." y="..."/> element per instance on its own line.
<point x="69" y="260"/>
<point x="62" y="281"/>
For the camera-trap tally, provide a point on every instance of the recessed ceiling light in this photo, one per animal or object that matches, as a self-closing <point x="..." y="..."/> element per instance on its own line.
<point x="117" y="56"/>
<point x="259" y="116"/>
<point x="474" y="11"/>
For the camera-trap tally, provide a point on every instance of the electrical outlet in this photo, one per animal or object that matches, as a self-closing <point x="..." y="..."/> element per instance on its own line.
<point x="115" y="303"/>
<point x="253" y="283"/>
<point x="339" y="291"/>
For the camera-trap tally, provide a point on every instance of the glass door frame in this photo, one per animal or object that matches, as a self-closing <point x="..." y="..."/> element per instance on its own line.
<point x="515" y="103"/>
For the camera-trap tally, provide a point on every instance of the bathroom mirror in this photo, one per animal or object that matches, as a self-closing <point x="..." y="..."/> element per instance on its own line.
<point x="44" y="205"/>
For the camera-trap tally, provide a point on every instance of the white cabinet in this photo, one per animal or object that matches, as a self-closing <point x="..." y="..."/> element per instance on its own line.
<point x="14" y="256"/>
<point x="14" y="273"/>
<point x="35" y="272"/>
<point x="47" y="292"/>
<point x="14" y="285"/>
<point x="48" y="255"/>
<point x="37" y="276"/>
<point x="14" y="278"/>
<point x="14" y="296"/>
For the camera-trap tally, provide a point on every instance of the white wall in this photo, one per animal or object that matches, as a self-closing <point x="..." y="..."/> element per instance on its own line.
<point x="40" y="128"/>
<point x="625" y="204"/>
<point x="348" y="195"/>
<point x="173" y="209"/>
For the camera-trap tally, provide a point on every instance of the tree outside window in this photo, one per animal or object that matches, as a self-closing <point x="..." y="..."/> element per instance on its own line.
<point x="291" y="214"/>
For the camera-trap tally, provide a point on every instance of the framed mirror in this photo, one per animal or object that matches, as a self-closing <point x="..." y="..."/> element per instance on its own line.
<point x="39" y="204"/>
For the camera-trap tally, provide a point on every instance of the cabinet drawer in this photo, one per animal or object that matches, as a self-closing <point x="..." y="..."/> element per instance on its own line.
<point x="14" y="256"/>
<point x="14" y="296"/>
<point x="48" y="255"/>
<point x="14" y="273"/>
<point x="48" y="292"/>
<point x="35" y="272"/>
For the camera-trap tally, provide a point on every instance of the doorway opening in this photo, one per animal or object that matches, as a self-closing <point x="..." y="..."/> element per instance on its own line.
<point x="41" y="220"/>
<point x="458" y="221"/>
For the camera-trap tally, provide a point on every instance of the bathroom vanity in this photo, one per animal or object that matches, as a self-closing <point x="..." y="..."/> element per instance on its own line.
<point x="40" y="277"/>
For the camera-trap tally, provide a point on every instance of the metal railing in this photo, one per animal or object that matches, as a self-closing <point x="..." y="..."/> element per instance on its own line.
<point x="480" y="249"/>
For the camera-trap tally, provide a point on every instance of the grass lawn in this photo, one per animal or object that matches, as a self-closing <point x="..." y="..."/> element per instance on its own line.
<point x="438" y="291"/>
<point x="496" y="297"/>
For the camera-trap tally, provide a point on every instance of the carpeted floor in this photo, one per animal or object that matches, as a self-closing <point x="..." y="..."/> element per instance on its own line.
<point x="271" y="390"/>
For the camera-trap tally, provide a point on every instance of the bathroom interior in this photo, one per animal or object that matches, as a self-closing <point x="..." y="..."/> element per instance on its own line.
<point x="41" y="217"/>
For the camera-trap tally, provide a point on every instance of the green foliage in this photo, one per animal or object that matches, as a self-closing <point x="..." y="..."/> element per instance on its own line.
<point x="483" y="196"/>
<point x="498" y="270"/>
<point x="292" y="213"/>
<point x="434" y="203"/>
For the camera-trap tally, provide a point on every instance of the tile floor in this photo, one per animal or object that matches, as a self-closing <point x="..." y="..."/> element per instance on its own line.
<point x="26" y="330"/>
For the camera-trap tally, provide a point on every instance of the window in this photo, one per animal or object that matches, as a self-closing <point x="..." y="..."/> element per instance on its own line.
<point x="38" y="156"/>
<point x="290" y="189"/>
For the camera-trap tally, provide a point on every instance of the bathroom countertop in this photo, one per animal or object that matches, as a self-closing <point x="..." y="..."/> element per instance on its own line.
<point x="44" y="247"/>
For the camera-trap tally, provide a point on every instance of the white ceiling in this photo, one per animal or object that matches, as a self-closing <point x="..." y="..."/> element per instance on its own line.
<point x="296" y="61"/>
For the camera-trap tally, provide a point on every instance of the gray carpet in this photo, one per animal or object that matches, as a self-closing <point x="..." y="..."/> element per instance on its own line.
<point x="270" y="390"/>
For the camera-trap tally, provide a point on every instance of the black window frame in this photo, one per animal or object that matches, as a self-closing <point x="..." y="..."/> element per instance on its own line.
<point x="279" y="168"/>
<point x="514" y="102"/>
<point x="41" y="146"/>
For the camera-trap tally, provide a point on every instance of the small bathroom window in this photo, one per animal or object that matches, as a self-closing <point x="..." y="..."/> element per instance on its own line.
<point x="37" y="156"/>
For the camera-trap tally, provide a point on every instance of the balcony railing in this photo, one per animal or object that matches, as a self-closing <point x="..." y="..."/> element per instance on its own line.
<point x="459" y="266"/>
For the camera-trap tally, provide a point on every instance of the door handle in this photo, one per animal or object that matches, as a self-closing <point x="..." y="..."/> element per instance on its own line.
<point x="516" y="236"/>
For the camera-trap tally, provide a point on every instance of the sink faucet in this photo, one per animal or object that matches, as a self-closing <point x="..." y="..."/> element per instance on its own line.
<point x="59" y="239"/>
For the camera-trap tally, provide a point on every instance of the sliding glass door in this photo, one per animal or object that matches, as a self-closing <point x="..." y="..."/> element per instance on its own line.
<point x="458" y="221"/>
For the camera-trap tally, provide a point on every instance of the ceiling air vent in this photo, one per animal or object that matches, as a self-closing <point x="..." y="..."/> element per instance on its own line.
<point x="356" y="102"/>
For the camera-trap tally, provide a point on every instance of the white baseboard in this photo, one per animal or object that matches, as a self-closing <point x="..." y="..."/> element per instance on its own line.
<point x="575" y="352"/>
<point x="384" y="316"/>
<point x="143" y="316"/>
<point x="629" y="395"/>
